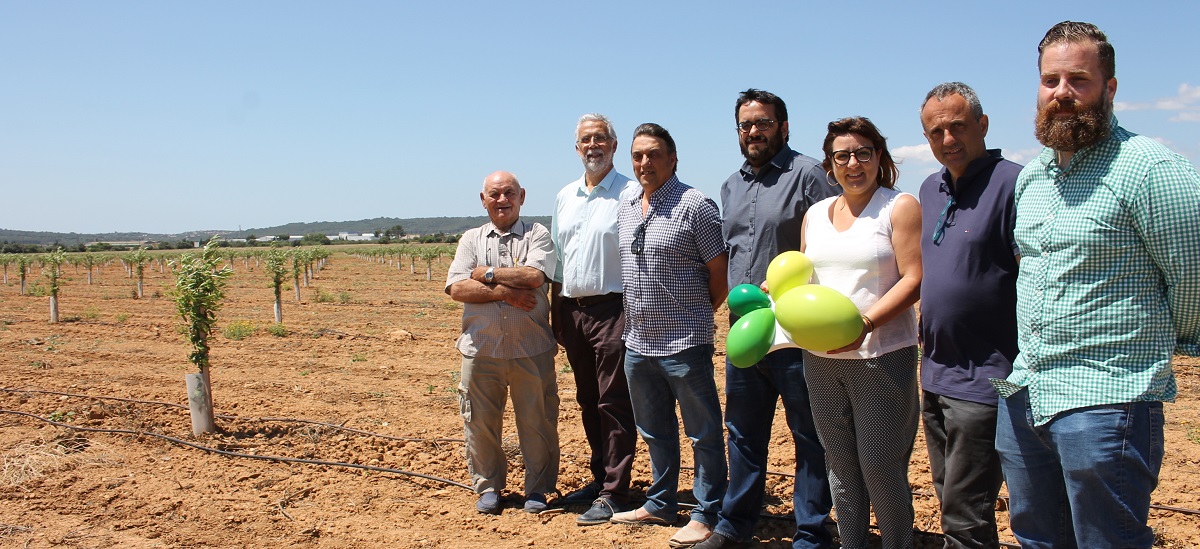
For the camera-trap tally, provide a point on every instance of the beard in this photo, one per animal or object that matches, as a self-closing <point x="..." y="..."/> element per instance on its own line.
<point x="596" y="163"/>
<point x="762" y="156"/>
<point x="1088" y="126"/>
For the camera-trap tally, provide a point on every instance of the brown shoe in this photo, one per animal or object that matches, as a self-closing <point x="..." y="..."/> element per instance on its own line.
<point x="640" y="516"/>
<point x="690" y="535"/>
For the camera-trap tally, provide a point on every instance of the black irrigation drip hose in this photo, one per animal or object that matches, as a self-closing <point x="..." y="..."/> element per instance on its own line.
<point x="341" y="427"/>
<point x="359" y="431"/>
<point x="210" y="449"/>
<point x="920" y="493"/>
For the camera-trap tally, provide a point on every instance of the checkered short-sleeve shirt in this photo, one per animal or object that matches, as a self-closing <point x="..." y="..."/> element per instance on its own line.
<point x="1109" y="281"/>
<point x="667" y="306"/>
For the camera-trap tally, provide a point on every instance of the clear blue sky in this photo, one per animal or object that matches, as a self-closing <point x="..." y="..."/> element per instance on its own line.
<point x="168" y="117"/>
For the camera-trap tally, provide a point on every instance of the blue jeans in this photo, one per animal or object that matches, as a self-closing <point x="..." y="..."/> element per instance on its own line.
<point x="655" y="384"/>
<point x="751" y="394"/>
<point x="1084" y="479"/>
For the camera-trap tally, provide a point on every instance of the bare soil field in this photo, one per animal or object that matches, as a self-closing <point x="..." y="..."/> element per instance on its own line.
<point x="321" y="427"/>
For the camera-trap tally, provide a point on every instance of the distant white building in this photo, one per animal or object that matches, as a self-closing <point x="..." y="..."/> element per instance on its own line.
<point x="353" y="237"/>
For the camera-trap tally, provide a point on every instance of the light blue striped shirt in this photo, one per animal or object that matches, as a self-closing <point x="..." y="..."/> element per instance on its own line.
<point x="584" y="231"/>
<point x="1109" y="283"/>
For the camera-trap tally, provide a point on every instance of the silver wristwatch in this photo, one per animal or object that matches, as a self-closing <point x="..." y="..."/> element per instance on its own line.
<point x="489" y="276"/>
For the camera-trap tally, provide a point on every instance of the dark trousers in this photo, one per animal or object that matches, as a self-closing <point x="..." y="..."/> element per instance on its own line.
<point x="961" y="436"/>
<point x="751" y="396"/>
<point x="591" y="335"/>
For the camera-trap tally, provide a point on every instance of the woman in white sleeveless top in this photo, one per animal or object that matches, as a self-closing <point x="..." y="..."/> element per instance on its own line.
<point x="865" y="244"/>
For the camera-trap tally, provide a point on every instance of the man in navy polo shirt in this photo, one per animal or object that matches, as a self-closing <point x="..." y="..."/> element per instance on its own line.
<point x="968" y="310"/>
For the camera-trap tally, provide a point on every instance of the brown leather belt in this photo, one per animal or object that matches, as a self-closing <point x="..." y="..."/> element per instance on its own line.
<point x="588" y="301"/>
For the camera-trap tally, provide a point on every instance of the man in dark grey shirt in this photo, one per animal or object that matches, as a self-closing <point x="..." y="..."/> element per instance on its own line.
<point x="763" y="204"/>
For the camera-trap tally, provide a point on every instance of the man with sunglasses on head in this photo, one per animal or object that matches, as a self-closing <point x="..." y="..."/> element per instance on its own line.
<point x="588" y="317"/>
<point x="1108" y="290"/>
<point x="764" y="204"/>
<point x="673" y="265"/>
<point x="968" y="310"/>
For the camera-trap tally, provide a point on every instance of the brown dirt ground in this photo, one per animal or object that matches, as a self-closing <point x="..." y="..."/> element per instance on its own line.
<point x="370" y="348"/>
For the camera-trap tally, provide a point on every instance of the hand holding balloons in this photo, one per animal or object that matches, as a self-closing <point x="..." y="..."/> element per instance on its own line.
<point x="811" y="316"/>
<point x="818" y="318"/>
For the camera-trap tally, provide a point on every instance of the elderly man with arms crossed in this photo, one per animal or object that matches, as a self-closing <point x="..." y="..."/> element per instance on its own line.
<point x="499" y="273"/>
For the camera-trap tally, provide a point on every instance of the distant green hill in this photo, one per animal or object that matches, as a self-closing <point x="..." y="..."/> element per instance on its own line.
<point x="413" y="226"/>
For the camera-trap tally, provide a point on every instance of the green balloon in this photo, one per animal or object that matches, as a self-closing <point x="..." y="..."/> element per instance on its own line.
<point x="818" y="318"/>
<point x="744" y="298"/>
<point x="750" y="338"/>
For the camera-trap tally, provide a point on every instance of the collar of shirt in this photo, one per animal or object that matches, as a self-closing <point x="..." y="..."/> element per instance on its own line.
<point x="782" y="160"/>
<point x="1049" y="157"/>
<point x="978" y="165"/>
<point x="518" y="228"/>
<point x="605" y="183"/>
<point x="656" y="197"/>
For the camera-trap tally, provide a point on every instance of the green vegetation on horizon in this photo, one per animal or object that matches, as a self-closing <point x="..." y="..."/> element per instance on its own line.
<point x="412" y="226"/>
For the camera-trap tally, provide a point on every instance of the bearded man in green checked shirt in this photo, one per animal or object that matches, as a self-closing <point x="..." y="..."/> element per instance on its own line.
<point x="1108" y="226"/>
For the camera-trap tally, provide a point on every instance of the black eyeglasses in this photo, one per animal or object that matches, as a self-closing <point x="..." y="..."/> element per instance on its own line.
<point x="639" y="238"/>
<point x="763" y="124"/>
<point x="863" y="154"/>
<point x="939" y="230"/>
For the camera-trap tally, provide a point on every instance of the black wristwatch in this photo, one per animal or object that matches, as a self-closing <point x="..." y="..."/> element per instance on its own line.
<point x="489" y="275"/>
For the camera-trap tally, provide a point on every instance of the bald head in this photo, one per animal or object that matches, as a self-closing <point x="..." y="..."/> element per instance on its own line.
<point x="502" y="197"/>
<point x="500" y="177"/>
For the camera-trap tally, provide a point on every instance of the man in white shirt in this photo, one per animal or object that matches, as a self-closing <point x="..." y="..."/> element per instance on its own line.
<point x="588" y="318"/>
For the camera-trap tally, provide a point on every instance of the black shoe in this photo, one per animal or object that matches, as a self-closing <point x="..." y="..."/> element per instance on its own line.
<point x="717" y="541"/>
<point x="601" y="511"/>
<point x="582" y="496"/>
<point x="489" y="503"/>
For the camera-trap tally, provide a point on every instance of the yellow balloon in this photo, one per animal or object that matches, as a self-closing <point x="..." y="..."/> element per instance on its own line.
<point x="788" y="270"/>
<point x="818" y="318"/>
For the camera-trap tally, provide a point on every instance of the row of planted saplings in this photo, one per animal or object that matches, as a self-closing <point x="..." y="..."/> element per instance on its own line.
<point x="200" y="282"/>
<point x="394" y="255"/>
<point x="303" y="264"/>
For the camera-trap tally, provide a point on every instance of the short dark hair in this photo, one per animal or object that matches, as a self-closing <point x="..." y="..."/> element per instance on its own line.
<point x="862" y="126"/>
<point x="764" y="97"/>
<point x="654" y="130"/>
<point x="1073" y="31"/>
<point x="946" y="89"/>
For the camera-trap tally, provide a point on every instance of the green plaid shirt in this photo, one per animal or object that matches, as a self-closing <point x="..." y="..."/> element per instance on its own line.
<point x="1109" y="283"/>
